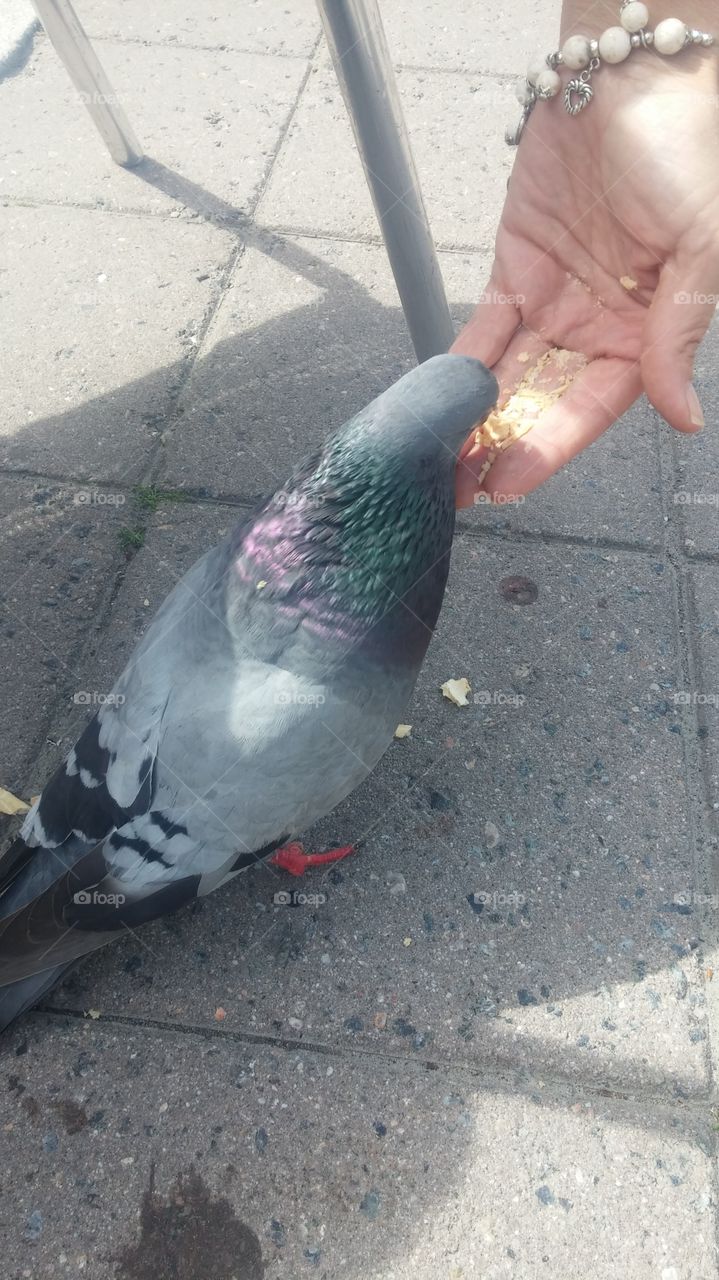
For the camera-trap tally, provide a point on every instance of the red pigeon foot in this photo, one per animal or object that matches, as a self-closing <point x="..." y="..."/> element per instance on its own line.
<point x="292" y="857"/>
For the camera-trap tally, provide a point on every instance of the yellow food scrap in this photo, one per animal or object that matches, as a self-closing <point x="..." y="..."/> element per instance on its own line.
<point x="539" y="389"/>
<point x="456" y="691"/>
<point x="10" y="803"/>
<point x="261" y="584"/>
<point x="403" y="731"/>
<point x="627" y="283"/>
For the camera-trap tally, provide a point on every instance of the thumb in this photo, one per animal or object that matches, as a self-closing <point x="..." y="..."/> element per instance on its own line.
<point x="676" y="322"/>
<point x="490" y="326"/>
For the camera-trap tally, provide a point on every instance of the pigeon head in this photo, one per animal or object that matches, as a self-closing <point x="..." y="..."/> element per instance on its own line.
<point x="417" y="427"/>
<point x="368" y="520"/>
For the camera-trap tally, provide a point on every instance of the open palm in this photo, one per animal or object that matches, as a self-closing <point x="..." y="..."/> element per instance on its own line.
<point x="608" y="246"/>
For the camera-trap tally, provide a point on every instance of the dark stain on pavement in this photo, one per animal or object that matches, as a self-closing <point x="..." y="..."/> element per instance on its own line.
<point x="72" y="1115"/>
<point x="190" y="1236"/>
<point x="518" y="590"/>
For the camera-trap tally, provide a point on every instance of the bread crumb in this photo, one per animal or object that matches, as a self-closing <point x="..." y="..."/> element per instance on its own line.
<point x="456" y="691"/>
<point x="403" y="731"/>
<point x="627" y="283"/>
<point x="539" y="389"/>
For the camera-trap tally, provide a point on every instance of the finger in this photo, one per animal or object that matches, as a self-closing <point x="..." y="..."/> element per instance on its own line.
<point x="544" y="380"/>
<point x="676" y="322"/>
<point x="523" y="353"/>
<point x="466" y="483"/>
<point x="594" y="400"/>
<point x="490" y="326"/>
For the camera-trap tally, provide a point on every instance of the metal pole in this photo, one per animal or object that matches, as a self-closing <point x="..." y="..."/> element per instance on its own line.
<point x="359" y="51"/>
<point x="94" y="89"/>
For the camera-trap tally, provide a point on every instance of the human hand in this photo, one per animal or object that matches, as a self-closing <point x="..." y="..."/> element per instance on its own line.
<point x="628" y="191"/>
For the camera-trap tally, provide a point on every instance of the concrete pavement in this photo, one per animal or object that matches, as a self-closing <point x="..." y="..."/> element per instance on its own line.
<point x="491" y="1050"/>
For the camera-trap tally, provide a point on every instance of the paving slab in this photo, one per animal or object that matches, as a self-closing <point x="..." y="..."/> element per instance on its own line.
<point x="140" y="1154"/>
<point x="109" y="310"/>
<point x="308" y="332"/>
<point x="214" y="117"/>
<point x="257" y="26"/>
<point x="60" y="552"/>
<point x="463" y="184"/>
<point x="563" y="936"/>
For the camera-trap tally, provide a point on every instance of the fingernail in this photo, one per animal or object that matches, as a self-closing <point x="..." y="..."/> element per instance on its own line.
<point x="696" y="413"/>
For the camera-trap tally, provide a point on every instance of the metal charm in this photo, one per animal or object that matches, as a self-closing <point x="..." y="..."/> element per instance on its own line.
<point x="512" y="135"/>
<point x="577" y="95"/>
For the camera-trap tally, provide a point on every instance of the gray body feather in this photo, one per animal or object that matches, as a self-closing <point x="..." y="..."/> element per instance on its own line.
<point x="237" y="724"/>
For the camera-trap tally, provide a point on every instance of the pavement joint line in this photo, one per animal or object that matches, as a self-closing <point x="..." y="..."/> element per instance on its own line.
<point x="227" y="273"/>
<point x="551" y="538"/>
<point x="313" y="233"/>
<point x="509" y="1077"/>
<point x="686" y="629"/>
<point x="147" y="43"/>
<point x="497" y="77"/>
<point x="153" y="467"/>
<point x="247" y="502"/>
<point x="175" y="46"/>
<point x="502" y="77"/>
<point x="240" y="221"/>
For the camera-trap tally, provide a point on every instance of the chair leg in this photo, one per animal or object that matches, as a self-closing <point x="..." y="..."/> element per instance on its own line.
<point x="361" y="59"/>
<point x="94" y="89"/>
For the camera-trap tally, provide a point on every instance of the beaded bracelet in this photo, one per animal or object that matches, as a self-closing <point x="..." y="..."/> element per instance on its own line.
<point x="580" y="53"/>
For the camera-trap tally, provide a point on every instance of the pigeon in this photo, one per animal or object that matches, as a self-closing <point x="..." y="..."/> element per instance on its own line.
<point x="266" y="688"/>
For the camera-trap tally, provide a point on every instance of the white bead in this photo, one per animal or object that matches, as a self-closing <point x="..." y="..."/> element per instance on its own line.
<point x="575" y="52"/>
<point x="614" y="44"/>
<point x="524" y="93"/>
<point x="669" y="36"/>
<point x="535" y="68"/>
<point x="634" y="16"/>
<point x="548" y="83"/>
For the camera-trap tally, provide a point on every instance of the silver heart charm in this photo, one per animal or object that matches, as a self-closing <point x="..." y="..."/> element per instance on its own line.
<point x="577" y="95"/>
